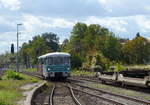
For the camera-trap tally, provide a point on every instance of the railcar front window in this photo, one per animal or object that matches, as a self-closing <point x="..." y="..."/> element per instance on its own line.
<point x="60" y="61"/>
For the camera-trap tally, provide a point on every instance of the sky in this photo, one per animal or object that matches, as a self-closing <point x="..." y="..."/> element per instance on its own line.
<point x="123" y="17"/>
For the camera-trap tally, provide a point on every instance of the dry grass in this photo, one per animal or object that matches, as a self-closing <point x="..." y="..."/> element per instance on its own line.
<point x="138" y="67"/>
<point x="122" y="91"/>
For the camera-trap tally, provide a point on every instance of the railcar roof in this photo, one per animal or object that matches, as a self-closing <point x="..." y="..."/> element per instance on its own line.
<point x="55" y="54"/>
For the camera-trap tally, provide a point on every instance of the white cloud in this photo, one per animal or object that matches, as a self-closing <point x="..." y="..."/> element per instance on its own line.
<point x="110" y="4"/>
<point x="143" y="22"/>
<point x="32" y="23"/>
<point x="11" y="4"/>
<point x="125" y="7"/>
<point x="147" y="7"/>
<point x="116" y="24"/>
<point x="124" y="25"/>
<point x="39" y="23"/>
<point x="61" y="23"/>
<point x="5" y="21"/>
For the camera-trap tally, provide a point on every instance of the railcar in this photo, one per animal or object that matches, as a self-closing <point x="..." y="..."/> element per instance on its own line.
<point x="140" y="82"/>
<point x="108" y="78"/>
<point x="124" y="80"/>
<point x="55" y="65"/>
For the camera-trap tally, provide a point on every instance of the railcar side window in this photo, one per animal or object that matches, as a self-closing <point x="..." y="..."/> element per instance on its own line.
<point x="42" y="61"/>
<point x="50" y="60"/>
<point x="46" y="60"/>
<point x="66" y="61"/>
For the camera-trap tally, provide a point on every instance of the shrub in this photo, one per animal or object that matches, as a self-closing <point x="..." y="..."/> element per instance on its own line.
<point x="13" y="75"/>
<point x="2" y="102"/>
<point x="34" y="80"/>
<point x="31" y="69"/>
<point x="119" y="67"/>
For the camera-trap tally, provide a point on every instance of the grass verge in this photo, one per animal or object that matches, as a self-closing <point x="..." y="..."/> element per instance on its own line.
<point x="10" y="84"/>
<point x="81" y="73"/>
<point x="31" y="69"/>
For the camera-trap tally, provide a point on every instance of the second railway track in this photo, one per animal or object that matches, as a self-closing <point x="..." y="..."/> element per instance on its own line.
<point x="118" y="99"/>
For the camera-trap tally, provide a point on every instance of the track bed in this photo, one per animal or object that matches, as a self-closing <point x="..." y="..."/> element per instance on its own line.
<point x="62" y="95"/>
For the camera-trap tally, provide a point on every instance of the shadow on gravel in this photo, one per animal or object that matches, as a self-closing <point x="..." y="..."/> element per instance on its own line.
<point x="58" y="79"/>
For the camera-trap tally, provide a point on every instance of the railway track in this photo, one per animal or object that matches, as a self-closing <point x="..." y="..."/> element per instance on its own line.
<point x="61" y="95"/>
<point x="61" y="92"/>
<point x="110" y="97"/>
<point x="95" y="80"/>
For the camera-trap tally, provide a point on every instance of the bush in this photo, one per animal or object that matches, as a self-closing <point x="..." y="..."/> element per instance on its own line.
<point x="31" y="69"/>
<point x="77" y="72"/>
<point x="102" y="61"/>
<point x="13" y="75"/>
<point x="119" y="67"/>
<point x="3" y="103"/>
<point x="76" y="61"/>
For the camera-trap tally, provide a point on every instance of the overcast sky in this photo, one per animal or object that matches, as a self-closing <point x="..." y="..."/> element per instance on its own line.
<point x="123" y="17"/>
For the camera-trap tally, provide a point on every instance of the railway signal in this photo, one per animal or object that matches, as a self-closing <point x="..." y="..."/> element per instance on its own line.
<point x="12" y="48"/>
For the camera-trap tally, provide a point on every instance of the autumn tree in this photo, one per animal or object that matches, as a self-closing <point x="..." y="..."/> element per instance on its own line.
<point x="137" y="51"/>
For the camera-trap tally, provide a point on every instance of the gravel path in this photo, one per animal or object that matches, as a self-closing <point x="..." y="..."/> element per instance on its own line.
<point x="62" y="96"/>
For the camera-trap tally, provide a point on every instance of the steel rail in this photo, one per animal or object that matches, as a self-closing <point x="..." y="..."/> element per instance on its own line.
<point x="114" y="94"/>
<point x="51" y="102"/>
<point x="106" y="99"/>
<point x="51" y="96"/>
<point x="75" y="99"/>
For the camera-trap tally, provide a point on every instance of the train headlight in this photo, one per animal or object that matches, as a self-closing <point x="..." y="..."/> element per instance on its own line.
<point x="68" y="68"/>
<point x="49" y="69"/>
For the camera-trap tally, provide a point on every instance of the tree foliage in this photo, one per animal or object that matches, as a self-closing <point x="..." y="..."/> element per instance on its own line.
<point x="89" y="43"/>
<point x="86" y="41"/>
<point x="39" y="45"/>
<point x="137" y="51"/>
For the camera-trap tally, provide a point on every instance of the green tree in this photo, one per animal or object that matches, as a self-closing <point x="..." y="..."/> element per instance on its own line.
<point x="51" y="40"/>
<point x="112" y="48"/>
<point x="88" y="40"/>
<point x="79" y="30"/>
<point x="136" y="51"/>
<point x="39" y="45"/>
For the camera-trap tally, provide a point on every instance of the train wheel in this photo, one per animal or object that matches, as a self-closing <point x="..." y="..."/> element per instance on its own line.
<point x="65" y="78"/>
<point x="123" y="85"/>
<point x="148" y="84"/>
<point x="45" y="78"/>
<point x="103" y="82"/>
